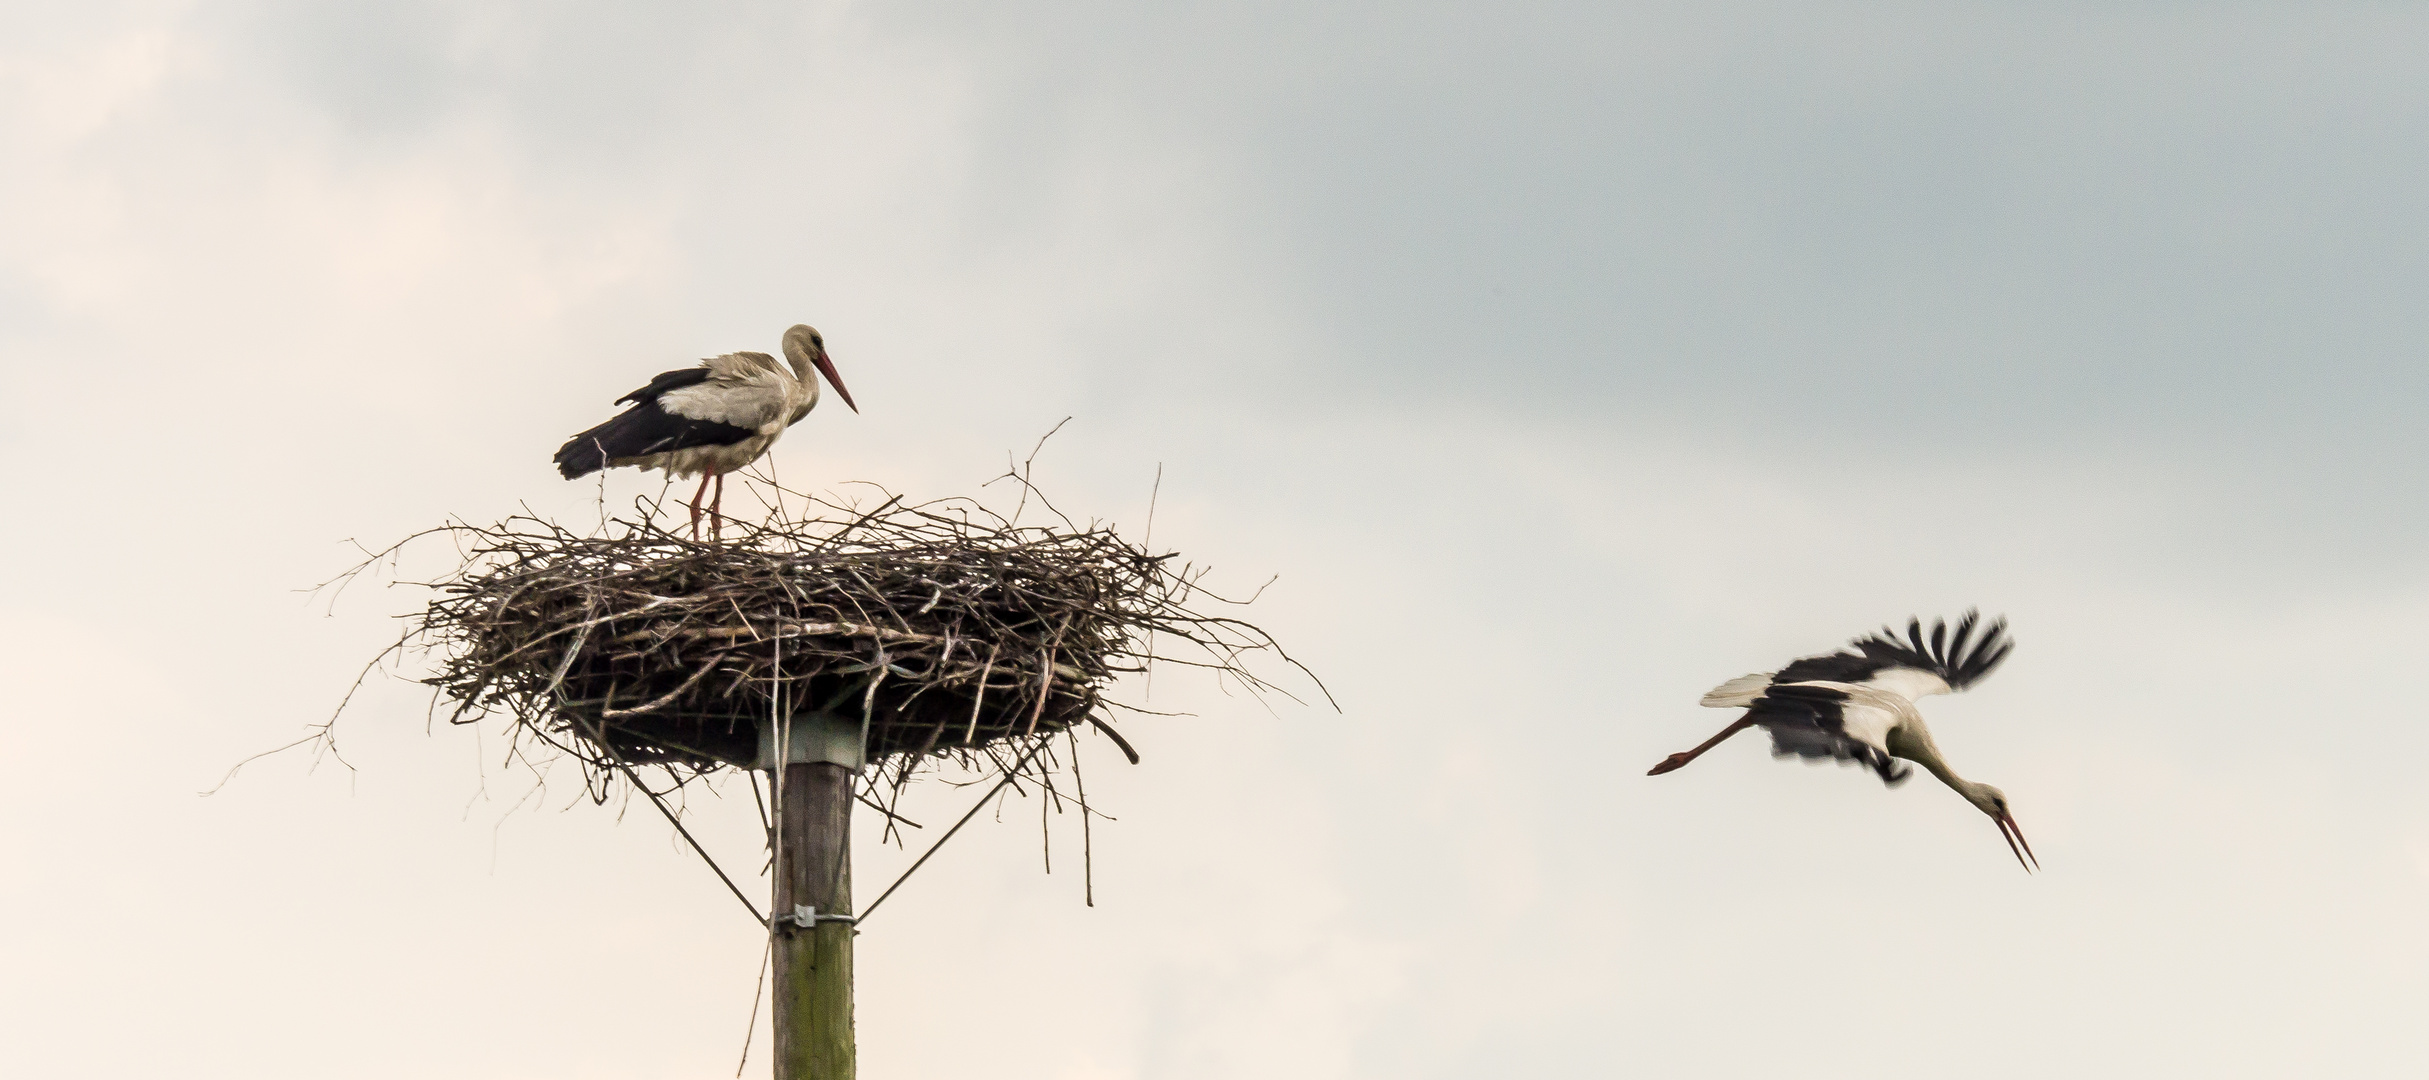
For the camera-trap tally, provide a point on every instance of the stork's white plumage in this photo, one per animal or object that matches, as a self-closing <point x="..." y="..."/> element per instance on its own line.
<point x="1858" y="706"/>
<point x="709" y="420"/>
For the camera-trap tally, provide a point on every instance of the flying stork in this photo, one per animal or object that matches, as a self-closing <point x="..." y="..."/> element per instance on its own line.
<point x="1858" y="706"/>
<point x="709" y="420"/>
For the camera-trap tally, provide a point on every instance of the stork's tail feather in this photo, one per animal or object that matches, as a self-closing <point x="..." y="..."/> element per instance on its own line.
<point x="1739" y="692"/>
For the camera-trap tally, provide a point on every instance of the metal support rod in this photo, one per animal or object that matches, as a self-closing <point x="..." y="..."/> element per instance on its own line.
<point x="813" y="983"/>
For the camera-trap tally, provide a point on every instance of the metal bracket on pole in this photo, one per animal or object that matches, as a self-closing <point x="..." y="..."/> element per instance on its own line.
<point x="805" y="917"/>
<point x="814" y="738"/>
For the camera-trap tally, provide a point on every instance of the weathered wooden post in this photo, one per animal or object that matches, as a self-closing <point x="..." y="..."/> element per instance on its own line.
<point x="812" y="924"/>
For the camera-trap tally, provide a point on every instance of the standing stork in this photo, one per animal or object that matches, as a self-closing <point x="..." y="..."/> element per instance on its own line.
<point x="1858" y="706"/>
<point x="709" y="420"/>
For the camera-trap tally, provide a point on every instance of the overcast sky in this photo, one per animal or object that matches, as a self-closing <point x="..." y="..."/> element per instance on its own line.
<point x="1564" y="360"/>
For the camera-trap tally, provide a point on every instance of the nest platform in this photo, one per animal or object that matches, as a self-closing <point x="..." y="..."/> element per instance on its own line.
<point x="941" y="630"/>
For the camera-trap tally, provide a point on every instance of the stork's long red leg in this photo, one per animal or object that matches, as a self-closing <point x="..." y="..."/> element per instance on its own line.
<point x="696" y="497"/>
<point x="716" y="511"/>
<point x="1676" y="761"/>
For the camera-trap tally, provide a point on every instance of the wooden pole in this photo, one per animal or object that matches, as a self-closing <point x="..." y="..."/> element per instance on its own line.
<point x="813" y="985"/>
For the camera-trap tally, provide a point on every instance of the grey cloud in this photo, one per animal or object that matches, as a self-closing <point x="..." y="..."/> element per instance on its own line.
<point x="2050" y="223"/>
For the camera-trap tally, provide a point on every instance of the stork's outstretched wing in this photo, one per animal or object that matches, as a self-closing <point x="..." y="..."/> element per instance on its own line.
<point x="1818" y="720"/>
<point x="1958" y="660"/>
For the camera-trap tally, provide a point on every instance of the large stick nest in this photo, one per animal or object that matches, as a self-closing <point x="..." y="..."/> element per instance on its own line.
<point x="942" y="628"/>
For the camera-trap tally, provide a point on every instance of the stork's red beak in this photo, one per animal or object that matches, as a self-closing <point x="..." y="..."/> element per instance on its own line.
<point x="826" y="367"/>
<point x="2014" y="835"/>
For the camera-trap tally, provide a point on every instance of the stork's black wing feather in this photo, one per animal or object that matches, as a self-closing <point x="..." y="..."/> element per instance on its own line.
<point x="1810" y="722"/>
<point x="1953" y="661"/>
<point x="646" y="428"/>
<point x="1945" y="654"/>
<point x="1846" y="667"/>
<point x="640" y="431"/>
<point x="665" y="381"/>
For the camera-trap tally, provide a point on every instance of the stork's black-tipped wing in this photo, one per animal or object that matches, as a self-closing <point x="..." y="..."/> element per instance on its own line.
<point x="1960" y="659"/>
<point x="646" y="428"/>
<point x="1817" y="723"/>
<point x="639" y="432"/>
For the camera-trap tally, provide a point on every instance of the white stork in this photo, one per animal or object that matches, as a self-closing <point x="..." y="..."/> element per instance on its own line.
<point x="709" y="420"/>
<point x="1858" y="706"/>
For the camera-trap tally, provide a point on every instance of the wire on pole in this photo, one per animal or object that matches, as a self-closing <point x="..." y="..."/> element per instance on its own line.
<point x="1041" y="744"/>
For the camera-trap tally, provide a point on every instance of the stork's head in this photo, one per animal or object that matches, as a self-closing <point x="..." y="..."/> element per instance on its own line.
<point x="1992" y="801"/>
<point x="806" y="350"/>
